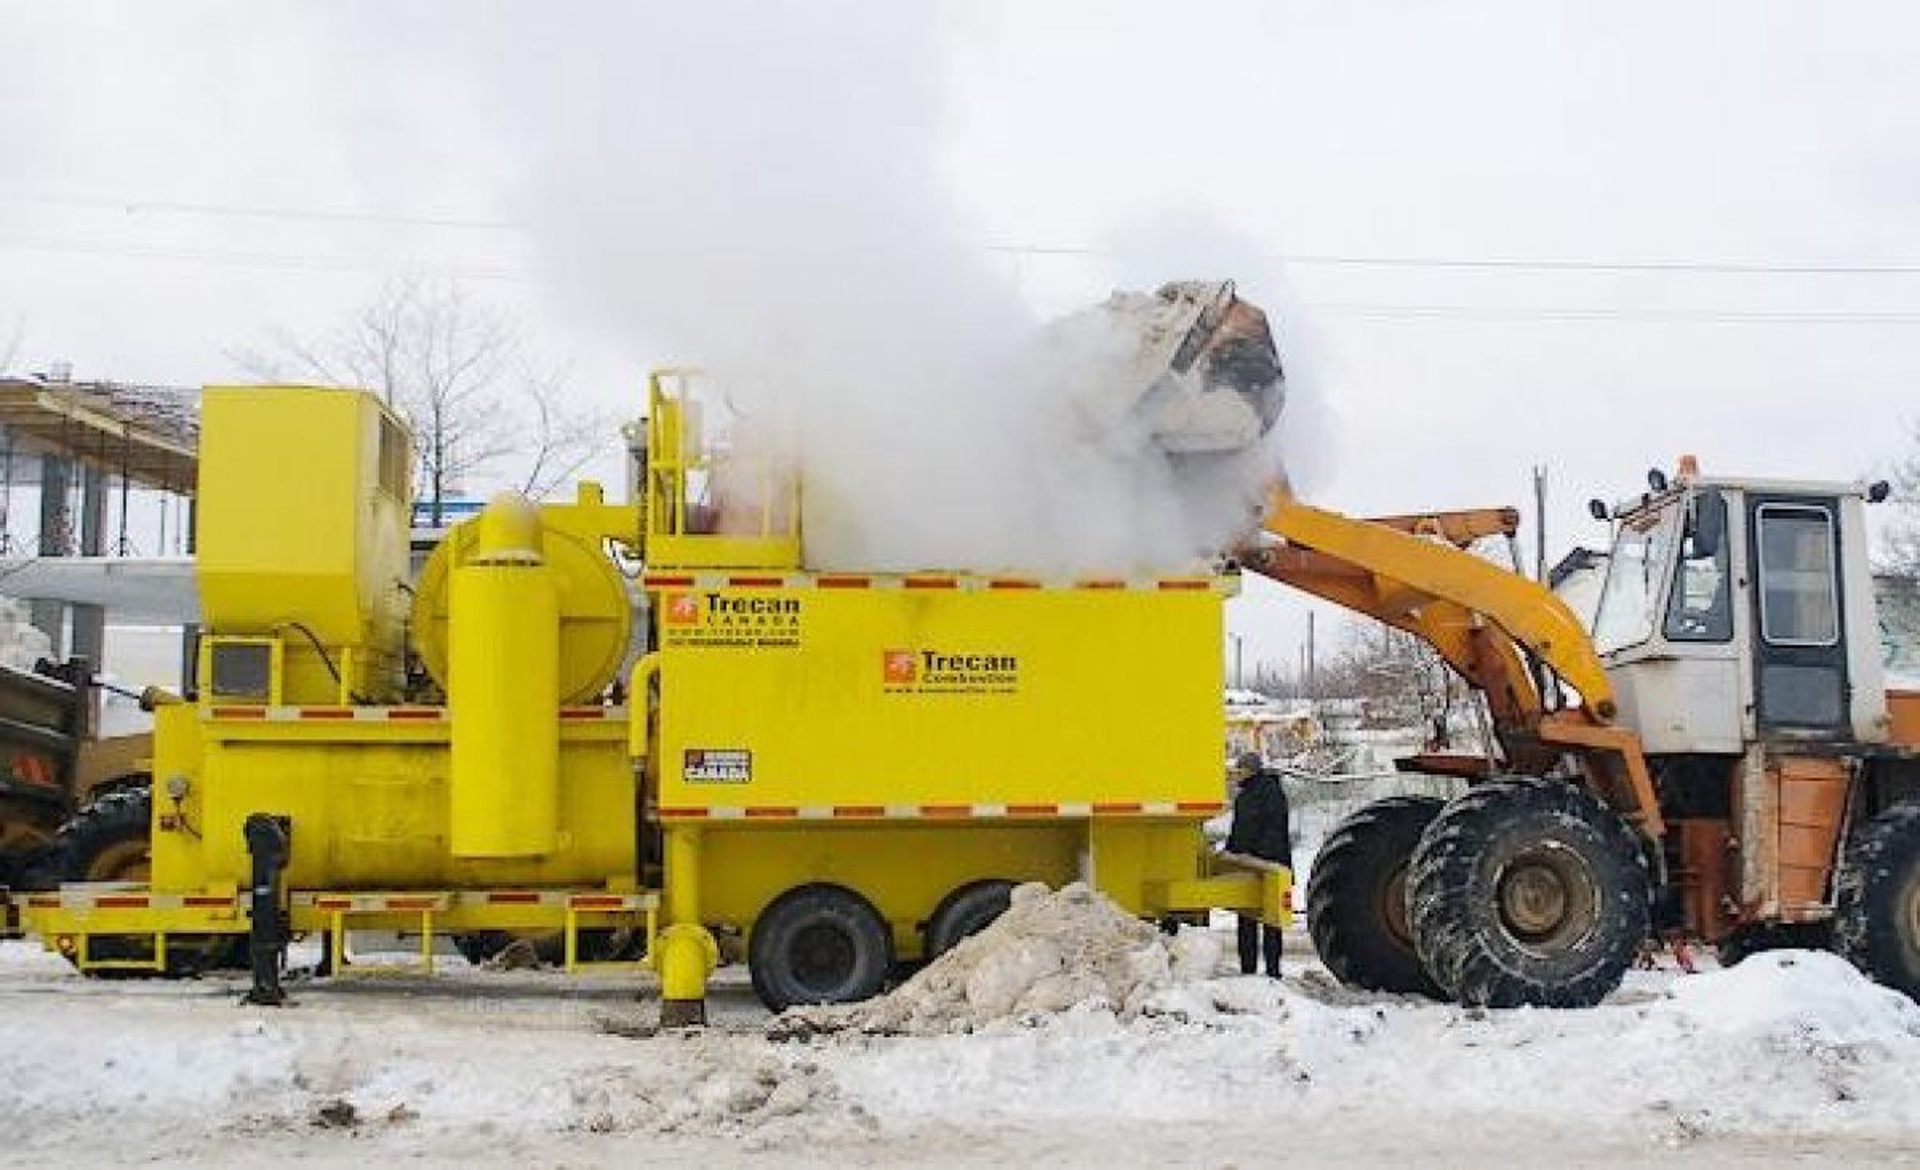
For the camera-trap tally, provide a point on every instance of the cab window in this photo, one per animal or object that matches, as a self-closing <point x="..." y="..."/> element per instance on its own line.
<point x="1799" y="590"/>
<point x="1700" y="606"/>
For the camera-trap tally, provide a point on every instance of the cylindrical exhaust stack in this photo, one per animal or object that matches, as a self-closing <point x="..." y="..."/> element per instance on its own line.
<point x="503" y="678"/>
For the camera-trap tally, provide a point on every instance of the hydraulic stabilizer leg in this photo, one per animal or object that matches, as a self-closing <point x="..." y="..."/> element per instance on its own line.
<point x="685" y="951"/>
<point x="269" y="841"/>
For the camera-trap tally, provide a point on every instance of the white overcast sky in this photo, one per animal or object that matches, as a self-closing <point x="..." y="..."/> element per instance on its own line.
<point x="1492" y="235"/>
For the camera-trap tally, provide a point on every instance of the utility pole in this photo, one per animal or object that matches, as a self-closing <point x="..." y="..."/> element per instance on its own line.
<point x="1540" y="522"/>
<point x="1239" y="676"/>
<point x="1313" y="691"/>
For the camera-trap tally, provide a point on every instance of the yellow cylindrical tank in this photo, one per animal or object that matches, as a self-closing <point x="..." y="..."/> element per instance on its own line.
<point x="503" y="676"/>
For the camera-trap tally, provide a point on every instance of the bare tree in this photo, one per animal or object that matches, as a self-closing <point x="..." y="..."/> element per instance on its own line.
<point x="459" y="372"/>
<point x="1900" y="552"/>
<point x="1399" y="678"/>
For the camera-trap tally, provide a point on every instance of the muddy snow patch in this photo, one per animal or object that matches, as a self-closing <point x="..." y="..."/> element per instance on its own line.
<point x="1053" y="951"/>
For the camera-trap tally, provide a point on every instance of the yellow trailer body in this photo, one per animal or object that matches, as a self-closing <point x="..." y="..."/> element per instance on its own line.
<point x="878" y="693"/>
<point x="906" y="737"/>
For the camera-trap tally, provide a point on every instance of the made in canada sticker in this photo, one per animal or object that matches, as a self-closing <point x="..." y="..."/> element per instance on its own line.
<point x="717" y="766"/>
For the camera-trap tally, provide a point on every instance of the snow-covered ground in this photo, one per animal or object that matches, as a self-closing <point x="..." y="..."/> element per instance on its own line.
<point x="1789" y="1056"/>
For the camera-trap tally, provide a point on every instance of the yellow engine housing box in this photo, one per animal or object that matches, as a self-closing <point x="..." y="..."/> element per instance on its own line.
<point x="367" y="792"/>
<point x="301" y="524"/>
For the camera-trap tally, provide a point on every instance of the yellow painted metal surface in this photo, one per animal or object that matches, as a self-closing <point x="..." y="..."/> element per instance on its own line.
<point x="595" y="613"/>
<point x="301" y="516"/>
<point x="961" y="695"/>
<point x="504" y="626"/>
<point x="368" y="794"/>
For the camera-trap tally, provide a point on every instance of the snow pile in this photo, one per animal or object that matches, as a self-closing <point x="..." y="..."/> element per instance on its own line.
<point x="1801" y="995"/>
<point x="1051" y="952"/>
<point x="1791" y="1055"/>
<point x="21" y="644"/>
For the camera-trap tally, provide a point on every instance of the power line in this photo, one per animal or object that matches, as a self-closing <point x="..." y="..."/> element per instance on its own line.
<point x="1727" y="267"/>
<point x="1521" y="264"/>
<point x="309" y="263"/>
<point x="259" y="211"/>
<point x="282" y="262"/>
<point x="1615" y="313"/>
<point x="390" y="218"/>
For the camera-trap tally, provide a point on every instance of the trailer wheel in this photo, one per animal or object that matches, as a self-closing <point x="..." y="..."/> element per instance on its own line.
<point x="818" y="944"/>
<point x="966" y="911"/>
<point x="110" y="840"/>
<point x="1877" y="904"/>
<point x="1528" y="892"/>
<point x="595" y="946"/>
<point x="1357" y="897"/>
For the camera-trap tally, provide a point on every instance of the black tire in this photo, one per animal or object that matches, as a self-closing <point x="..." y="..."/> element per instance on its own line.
<point x="1876" y="923"/>
<point x="112" y="840"/>
<point x="818" y="944"/>
<point x="1357" y="897"/>
<point x="966" y="911"/>
<point x="1528" y="892"/>
<point x="109" y="840"/>
<point x="550" y="947"/>
<point x="1747" y="941"/>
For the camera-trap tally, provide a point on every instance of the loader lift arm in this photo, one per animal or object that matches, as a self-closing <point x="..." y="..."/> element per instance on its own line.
<point x="1489" y="624"/>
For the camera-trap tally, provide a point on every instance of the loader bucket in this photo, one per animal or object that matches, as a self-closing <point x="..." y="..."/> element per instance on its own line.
<point x="1215" y="382"/>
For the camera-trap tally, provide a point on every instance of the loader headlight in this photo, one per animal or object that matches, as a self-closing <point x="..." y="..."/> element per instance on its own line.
<point x="177" y="788"/>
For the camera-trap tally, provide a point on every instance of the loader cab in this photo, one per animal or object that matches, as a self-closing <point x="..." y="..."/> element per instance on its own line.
<point x="1741" y="611"/>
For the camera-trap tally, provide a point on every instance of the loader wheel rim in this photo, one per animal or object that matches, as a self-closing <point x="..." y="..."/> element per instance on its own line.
<point x="1547" y="898"/>
<point x="823" y="957"/>
<point x="1393" y="907"/>
<point x="125" y="861"/>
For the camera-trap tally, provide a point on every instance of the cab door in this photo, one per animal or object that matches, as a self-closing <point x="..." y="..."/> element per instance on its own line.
<point x="1801" y="687"/>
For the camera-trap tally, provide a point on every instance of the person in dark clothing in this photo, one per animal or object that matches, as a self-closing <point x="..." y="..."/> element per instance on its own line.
<point x="1261" y="828"/>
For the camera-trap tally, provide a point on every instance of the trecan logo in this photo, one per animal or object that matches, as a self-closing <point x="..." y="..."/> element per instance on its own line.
<point x="899" y="666"/>
<point x="683" y="609"/>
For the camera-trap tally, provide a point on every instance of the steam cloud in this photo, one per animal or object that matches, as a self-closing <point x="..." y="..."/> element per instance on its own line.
<point x="758" y="190"/>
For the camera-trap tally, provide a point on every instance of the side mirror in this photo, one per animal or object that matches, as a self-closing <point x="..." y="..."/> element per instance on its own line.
<point x="1597" y="508"/>
<point x="1878" y="491"/>
<point x="1709" y="522"/>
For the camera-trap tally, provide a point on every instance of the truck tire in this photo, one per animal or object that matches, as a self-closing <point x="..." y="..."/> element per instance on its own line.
<point x="550" y="947"/>
<point x="818" y="944"/>
<point x="110" y="840"/>
<point x="1746" y="941"/>
<point x="1357" y="897"/>
<point x="966" y="911"/>
<point x="1528" y="892"/>
<point x="1876" y="924"/>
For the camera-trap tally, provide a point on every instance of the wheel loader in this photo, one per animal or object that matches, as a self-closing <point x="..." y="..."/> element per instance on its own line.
<point x="73" y="803"/>
<point x="1719" y="759"/>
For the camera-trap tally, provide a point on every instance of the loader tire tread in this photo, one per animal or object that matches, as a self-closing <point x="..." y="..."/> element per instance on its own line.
<point x="1876" y="922"/>
<point x="1362" y="865"/>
